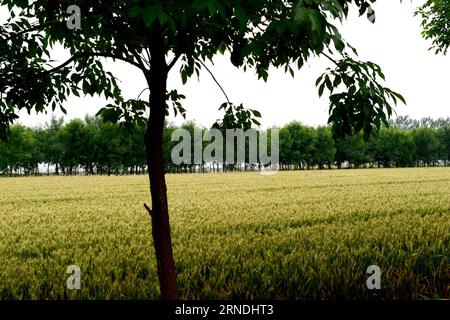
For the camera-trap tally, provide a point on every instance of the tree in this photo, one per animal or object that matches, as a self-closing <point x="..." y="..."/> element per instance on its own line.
<point x="20" y="151"/>
<point x="297" y="144"/>
<point x="443" y="135"/>
<point x="134" y="152"/>
<point x="324" y="147"/>
<point x="53" y="148"/>
<point x="286" y="143"/>
<point x="146" y="33"/>
<point x="407" y="150"/>
<point x="73" y="137"/>
<point x="304" y="142"/>
<point x="92" y="130"/>
<point x="4" y="161"/>
<point x="393" y="147"/>
<point x="427" y="145"/>
<point x="110" y="147"/>
<point x="39" y="135"/>
<point x="352" y="149"/>
<point x="405" y="123"/>
<point x="436" y="23"/>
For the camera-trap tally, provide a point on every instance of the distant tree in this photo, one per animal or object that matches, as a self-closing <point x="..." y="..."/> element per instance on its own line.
<point x="297" y="144"/>
<point x="4" y="160"/>
<point x="443" y="135"/>
<point x="427" y="122"/>
<point x="441" y="122"/>
<point x="134" y="156"/>
<point x="308" y="142"/>
<point x="406" y="149"/>
<point x="392" y="147"/>
<point x="110" y="148"/>
<point x="405" y="123"/>
<point x="52" y="146"/>
<point x="73" y="137"/>
<point x="324" y="149"/>
<point x="20" y="152"/>
<point x="352" y="149"/>
<point x="40" y="137"/>
<point x="235" y="117"/>
<point x="427" y="146"/>
<point x="91" y="145"/>
<point x="286" y="143"/>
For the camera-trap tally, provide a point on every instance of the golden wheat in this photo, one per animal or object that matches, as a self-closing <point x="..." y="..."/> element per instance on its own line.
<point x="298" y="235"/>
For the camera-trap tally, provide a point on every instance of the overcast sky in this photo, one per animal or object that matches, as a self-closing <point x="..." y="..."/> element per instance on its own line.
<point x="394" y="42"/>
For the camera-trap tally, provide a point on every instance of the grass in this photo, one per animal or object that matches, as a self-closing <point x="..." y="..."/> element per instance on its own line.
<point x="295" y="235"/>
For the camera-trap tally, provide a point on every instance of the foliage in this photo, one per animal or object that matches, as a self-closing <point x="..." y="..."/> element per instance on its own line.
<point x="104" y="148"/>
<point x="362" y="104"/>
<point x="257" y="35"/>
<point x="436" y="23"/>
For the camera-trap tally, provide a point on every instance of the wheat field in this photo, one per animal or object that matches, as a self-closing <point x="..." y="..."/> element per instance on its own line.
<point x="294" y="235"/>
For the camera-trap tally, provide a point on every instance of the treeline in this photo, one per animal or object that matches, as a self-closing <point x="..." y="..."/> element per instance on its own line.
<point x="406" y="143"/>
<point x="91" y="146"/>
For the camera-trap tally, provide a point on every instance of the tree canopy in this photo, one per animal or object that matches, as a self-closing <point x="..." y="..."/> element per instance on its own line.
<point x="257" y="34"/>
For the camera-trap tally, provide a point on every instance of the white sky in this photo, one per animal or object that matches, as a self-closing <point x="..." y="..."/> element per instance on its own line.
<point x="394" y="42"/>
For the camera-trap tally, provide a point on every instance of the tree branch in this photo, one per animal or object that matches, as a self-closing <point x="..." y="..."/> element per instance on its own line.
<point x="142" y="93"/>
<point x="93" y="54"/>
<point x="150" y="212"/>
<point x="215" y="80"/>
<point x="331" y="59"/>
<point x="139" y="59"/>
<point x="34" y="28"/>
<point x="174" y="61"/>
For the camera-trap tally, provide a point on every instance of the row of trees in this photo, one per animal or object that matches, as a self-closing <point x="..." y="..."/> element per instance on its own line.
<point x="88" y="145"/>
<point x="407" y="143"/>
<point x="91" y="146"/>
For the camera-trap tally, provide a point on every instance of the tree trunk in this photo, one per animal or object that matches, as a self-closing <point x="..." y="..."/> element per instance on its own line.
<point x="157" y="81"/>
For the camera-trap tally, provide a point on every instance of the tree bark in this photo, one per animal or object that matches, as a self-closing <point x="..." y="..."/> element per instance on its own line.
<point x="157" y="81"/>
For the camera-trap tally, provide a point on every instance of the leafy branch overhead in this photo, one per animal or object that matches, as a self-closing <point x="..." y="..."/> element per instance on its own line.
<point x="358" y="102"/>
<point x="257" y="35"/>
<point x="237" y="117"/>
<point x="436" y="23"/>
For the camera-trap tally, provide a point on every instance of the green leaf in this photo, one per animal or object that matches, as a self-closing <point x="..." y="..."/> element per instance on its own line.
<point x="321" y="89"/>
<point x="212" y="7"/>
<point x="256" y="113"/>
<point x="135" y="12"/>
